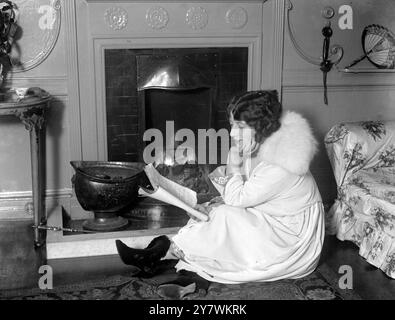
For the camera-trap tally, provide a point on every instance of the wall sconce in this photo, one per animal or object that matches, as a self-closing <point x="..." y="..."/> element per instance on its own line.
<point x="331" y="55"/>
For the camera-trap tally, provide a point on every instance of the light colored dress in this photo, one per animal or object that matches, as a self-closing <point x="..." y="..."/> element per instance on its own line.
<point x="271" y="225"/>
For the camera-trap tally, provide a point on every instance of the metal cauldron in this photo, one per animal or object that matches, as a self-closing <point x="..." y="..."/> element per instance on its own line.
<point x="106" y="188"/>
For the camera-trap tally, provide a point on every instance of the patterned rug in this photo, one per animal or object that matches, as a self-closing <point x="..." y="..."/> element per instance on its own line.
<point x="320" y="285"/>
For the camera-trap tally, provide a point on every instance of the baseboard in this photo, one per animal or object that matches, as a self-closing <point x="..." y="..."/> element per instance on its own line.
<point x="13" y="205"/>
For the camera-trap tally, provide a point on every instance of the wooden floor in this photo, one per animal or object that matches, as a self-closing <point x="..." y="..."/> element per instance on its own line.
<point x="19" y="264"/>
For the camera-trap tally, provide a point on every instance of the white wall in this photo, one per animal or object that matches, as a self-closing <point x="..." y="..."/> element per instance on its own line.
<point x="352" y="97"/>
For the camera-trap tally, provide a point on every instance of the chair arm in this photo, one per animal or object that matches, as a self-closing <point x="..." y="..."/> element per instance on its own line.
<point x="353" y="146"/>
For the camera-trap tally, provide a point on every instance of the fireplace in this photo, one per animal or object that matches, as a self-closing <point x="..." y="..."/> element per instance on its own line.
<point x="188" y="88"/>
<point x="237" y="42"/>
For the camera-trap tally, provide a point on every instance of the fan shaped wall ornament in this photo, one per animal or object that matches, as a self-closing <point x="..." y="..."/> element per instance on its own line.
<point x="378" y="45"/>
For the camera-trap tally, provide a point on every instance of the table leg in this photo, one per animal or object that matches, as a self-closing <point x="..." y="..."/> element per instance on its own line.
<point x="38" y="203"/>
<point x="34" y="122"/>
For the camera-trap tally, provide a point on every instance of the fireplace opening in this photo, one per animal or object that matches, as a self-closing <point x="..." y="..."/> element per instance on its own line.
<point x="186" y="108"/>
<point x="175" y="98"/>
<point x="171" y="111"/>
<point x="189" y="86"/>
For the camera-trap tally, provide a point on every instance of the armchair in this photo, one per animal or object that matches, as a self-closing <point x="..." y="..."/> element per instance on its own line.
<point x="362" y="156"/>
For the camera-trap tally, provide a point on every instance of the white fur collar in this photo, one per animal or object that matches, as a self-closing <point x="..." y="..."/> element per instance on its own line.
<point x="292" y="147"/>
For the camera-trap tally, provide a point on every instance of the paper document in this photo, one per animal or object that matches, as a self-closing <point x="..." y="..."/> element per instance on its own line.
<point x="171" y="192"/>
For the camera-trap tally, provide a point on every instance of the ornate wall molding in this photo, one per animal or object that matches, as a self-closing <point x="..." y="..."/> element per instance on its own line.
<point x="236" y="17"/>
<point x="157" y="17"/>
<point x="41" y="29"/>
<point x="116" y="18"/>
<point x="196" y="18"/>
<point x="172" y="17"/>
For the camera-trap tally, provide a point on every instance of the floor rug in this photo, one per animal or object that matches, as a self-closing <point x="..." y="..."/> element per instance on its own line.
<point x="322" y="284"/>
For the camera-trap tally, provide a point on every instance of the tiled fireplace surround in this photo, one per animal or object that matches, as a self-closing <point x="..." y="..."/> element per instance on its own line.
<point x="240" y="38"/>
<point x="226" y="66"/>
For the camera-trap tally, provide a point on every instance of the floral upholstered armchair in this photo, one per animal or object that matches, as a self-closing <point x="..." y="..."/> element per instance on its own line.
<point x="362" y="155"/>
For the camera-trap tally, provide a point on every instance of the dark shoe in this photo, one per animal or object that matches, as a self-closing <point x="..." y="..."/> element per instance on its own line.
<point x="144" y="259"/>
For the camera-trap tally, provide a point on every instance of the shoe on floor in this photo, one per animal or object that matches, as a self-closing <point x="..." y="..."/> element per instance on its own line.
<point x="144" y="259"/>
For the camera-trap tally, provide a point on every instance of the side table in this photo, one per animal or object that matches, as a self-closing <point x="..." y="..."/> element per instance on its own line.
<point x="31" y="110"/>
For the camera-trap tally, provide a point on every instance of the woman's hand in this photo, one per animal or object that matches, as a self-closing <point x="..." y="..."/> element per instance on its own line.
<point x="203" y="209"/>
<point x="216" y="200"/>
<point x="235" y="161"/>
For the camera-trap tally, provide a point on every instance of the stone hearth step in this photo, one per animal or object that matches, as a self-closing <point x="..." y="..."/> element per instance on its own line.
<point x="138" y="234"/>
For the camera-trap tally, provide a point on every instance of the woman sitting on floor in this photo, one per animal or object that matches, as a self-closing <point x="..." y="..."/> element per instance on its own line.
<point x="271" y="223"/>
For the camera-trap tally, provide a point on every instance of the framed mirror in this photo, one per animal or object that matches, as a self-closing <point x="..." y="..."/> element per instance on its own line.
<point x="39" y="27"/>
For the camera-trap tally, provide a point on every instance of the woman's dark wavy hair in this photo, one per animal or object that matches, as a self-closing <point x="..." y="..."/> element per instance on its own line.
<point x="261" y="110"/>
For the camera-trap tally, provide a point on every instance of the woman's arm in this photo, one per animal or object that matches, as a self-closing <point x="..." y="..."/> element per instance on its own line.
<point x="267" y="182"/>
<point x="234" y="163"/>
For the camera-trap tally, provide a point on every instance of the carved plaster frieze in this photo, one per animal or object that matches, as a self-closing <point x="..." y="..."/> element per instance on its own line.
<point x="116" y="18"/>
<point x="197" y="18"/>
<point x="157" y="18"/>
<point x="236" y="17"/>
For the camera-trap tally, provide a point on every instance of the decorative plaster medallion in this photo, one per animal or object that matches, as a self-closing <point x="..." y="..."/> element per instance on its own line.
<point x="197" y="18"/>
<point x="157" y="17"/>
<point x="236" y="17"/>
<point x="116" y="18"/>
<point x="39" y="21"/>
